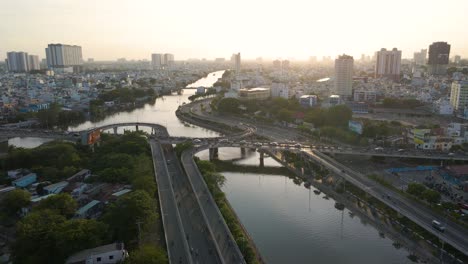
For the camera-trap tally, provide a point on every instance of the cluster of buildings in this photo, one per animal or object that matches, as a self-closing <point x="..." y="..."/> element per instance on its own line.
<point x="59" y="57"/>
<point x="161" y="61"/>
<point x="442" y="139"/>
<point x="91" y="198"/>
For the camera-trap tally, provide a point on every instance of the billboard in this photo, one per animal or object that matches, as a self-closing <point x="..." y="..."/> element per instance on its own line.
<point x="93" y="137"/>
<point x="355" y="126"/>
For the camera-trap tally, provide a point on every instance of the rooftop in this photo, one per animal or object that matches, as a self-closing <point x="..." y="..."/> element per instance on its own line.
<point x="83" y="255"/>
<point x="458" y="170"/>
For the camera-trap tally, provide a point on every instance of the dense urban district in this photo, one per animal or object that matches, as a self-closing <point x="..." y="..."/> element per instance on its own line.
<point x="381" y="134"/>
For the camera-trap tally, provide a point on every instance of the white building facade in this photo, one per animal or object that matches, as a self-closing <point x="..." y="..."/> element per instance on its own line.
<point x="388" y="64"/>
<point x="344" y="75"/>
<point x="459" y="95"/>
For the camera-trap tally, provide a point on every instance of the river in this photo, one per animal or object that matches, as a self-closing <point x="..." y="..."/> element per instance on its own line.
<point x="161" y="112"/>
<point x="289" y="223"/>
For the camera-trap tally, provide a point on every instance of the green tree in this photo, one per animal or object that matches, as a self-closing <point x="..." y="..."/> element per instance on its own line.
<point x="338" y="115"/>
<point x="14" y="201"/>
<point x="285" y="115"/>
<point x="79" y="234"/>
<point x="415" y="189"/>
<point x="431" y="196"/>
<point x="123" y="215"/>
<point x="63" y="204"/>
<point x="36" y="238"/>
<point x="44" y="236"/>
<point x="147" y="254"/>
<point x="229" y="105"/>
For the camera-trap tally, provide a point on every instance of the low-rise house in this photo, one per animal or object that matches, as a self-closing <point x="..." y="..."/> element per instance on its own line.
<point x="90" y="210"/>
<point x="25" y="181"/>
<point x="56" y="187"/>
<point x="107" y="254"/>
<point x="79" y="176"/>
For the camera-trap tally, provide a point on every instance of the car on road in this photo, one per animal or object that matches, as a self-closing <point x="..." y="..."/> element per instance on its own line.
<point x="451" y="154"/>
<point x="197" y="141"/>
<point x="437" y="225"/>
<point x="274" y="144"/>
<point x="378" y="149"/>
<point x="243" y="142"/>
<point x="223" y="140"/>
<point x="401" y="150"/>
<point x="257" y="144"/>
<point x="298" y="145"/>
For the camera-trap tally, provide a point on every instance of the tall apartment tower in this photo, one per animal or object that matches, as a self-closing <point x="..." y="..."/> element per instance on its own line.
<point x="17" y="61"/>
<point x="33" y="62"/>
<point x="420" y="57"/>
<point x="388" y="64"/>
<point x="439" y="53"/>
<point x="236" y="61"/>
<point x="168" y="59"/>
<point x="64" y="57"/>
<point x="157" y="61"/>
<point x="344" y="75"/>
<point x="459" y="95"/>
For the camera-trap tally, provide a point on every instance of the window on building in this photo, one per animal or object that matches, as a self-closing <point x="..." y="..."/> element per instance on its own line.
<point x="98" y="259"/>
<point x="111" y="257"/>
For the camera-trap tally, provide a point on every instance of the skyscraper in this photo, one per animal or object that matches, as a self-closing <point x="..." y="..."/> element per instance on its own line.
<point x="459" y="95"/>
<point x="420" y="57"/>
<point x="61" y="56"/>
<point x="439" y="53"/>
<point x="33" y="63"/>
<point x="157" y="61"/>
<point x="344" y="75"/>
<point x="236" y="61"/>
<point x="388" y="64"/>
<point x="17" y="61"/>
<point x="168" y="59"/>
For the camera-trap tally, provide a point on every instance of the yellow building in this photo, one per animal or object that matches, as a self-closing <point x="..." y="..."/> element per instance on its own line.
<point x="254" y="94"/>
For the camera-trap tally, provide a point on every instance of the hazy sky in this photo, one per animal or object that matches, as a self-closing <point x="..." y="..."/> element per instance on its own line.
<point x="110" y="29"/>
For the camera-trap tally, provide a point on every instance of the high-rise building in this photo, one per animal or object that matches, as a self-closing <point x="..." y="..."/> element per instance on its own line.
<point x="168" y="59"/>
<point x="439" y="53"/>
<point x="285" y="65"/>
<point x="157" y="61"/>
<point x="457" y="59"/>
<point x="420" y="57"/>
<point x="388" y="64"/>
<point x="236" y="62"/>
<point x="17" y="61"/>
<point x="344" y="75"/>
<point x="64" y="57"/>
<point x="277" y="65"/>
<point x="459" y="95"/>
<point x="33" y="63"/>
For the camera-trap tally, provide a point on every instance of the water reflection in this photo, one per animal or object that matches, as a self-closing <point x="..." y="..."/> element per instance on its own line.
<point x="291" y="224"/>
<point x="27" y="142"/>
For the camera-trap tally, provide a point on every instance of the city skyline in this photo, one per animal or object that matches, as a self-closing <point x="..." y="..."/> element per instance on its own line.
<point x="115" y="29"/>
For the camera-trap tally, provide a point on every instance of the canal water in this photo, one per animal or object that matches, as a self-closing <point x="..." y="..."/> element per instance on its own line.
<point x="291" y="224"/>
<point x="162" y="112"/>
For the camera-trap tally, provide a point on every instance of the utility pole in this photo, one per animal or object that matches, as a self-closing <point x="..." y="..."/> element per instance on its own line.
<point x="139" y="232"/>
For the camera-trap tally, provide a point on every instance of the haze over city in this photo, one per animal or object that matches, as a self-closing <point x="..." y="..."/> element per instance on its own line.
<point x="207" y="29"/>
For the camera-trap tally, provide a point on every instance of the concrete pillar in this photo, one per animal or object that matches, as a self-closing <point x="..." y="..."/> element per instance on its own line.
<point x="242" y="152"/>
<point x="115" y="130"/>
<point x="136" y="127"/>
<point x="213" y="153"/>
<point x="262" y="164"/>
